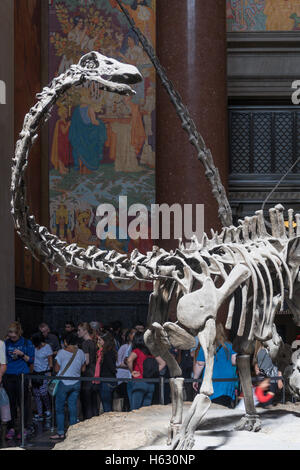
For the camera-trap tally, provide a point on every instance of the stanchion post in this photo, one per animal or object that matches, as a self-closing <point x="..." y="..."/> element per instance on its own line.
<point x="52" y="414"/>
<point x="283" y="391"/>
<point x="161" y="390"/>
<point x="22" y="410"/>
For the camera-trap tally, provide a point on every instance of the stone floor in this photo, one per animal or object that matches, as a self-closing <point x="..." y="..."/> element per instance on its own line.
<point x="147" y="429"/>
<point x="37" y="441"/>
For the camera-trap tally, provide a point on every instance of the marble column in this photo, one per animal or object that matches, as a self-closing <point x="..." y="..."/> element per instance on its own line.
<point x="191" y="46"/>
<point x="7" y="266"/>
<point x="28" y="71"/>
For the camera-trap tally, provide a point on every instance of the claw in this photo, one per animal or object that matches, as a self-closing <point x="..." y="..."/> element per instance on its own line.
<point x="185" y="442"/>
<point x="249" y="423"/>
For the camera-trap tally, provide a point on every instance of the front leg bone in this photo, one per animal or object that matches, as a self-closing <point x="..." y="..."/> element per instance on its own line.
<point x="176" y="386"/>
<point x="185" y="439"/>
<point x="206" y="338"/>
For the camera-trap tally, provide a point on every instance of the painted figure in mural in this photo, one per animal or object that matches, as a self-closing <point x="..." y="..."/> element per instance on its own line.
<point x="143" y="16"/>
<point x="113" y="238"/>
<point x="254" y="15"/>
<point x="78" y="41"/>
<point x="62" y="224"/>
<point x="138" y="135"/>
<point x="83" y="234"/>
<point x="148" y="154"/>
<point x="116" y="239"/>
<point x="133" y="54"/>
<point x="143" y="243"/>
<point x="87" y="135"/>
<point x="84" y="237"/>
<point x="296" y="19"/>
<point x="246" y="15"/>
<point x="130" y="137"/>
<point x="61" y="152"/>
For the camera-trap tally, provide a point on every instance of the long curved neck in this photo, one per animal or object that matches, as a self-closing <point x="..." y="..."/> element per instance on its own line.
<point x="45" y="246"/>
<point x="31" y="233"/>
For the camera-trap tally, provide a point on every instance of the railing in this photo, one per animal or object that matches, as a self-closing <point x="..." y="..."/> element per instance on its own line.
<point x="161" y="381"/>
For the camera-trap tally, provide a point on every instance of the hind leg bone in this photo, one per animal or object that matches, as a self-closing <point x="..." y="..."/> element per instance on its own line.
<point x="251" y="421"/>
<point x="185" y="438"/>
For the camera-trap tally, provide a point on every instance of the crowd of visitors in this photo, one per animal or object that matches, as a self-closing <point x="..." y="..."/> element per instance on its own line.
<point x="93" y="356"/>
<point x="90" y="350"/>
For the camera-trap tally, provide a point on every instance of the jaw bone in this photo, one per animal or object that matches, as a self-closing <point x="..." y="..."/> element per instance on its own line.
<point x="110" y="74"/>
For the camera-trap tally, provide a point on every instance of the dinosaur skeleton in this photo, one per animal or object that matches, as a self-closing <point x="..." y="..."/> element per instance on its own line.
<point x="254" y="269"/>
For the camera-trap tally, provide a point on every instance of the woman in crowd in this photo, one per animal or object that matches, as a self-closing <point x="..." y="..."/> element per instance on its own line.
<point x="100" y="344"/>
<point x="122" y="368"/>
<point x="88" y="396"/>
<point x="264" y="367"/>
<point x="142" y="392"/>
<point x="224" y="368"/>
<point x="5" y="415"/>
<point x="43" y="365"/>
<point x="20" y="357"/>
<point x="70" y="362"/>
<point x="107" y="370"/>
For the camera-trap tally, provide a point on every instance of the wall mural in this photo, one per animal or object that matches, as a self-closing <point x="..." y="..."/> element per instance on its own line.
<point x="263" y="15"/>
<point x="101" y="145"/>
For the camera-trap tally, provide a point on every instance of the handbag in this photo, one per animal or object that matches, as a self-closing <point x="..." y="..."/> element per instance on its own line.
<point x="5" y="414"/>
<point x="4" y="400"/>
<point x="53" y="384"/>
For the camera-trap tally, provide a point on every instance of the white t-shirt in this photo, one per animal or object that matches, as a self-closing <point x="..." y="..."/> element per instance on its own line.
<point x="74" y="370"/>
<point x="2" y="353"/>
<point x="41" y="358"/>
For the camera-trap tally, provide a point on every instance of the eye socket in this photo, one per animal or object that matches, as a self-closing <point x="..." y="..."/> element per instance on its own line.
<point x="108" y="62"/>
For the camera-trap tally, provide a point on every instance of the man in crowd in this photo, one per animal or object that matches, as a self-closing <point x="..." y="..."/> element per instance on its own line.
<point x="139" y="327"/>
<point x="70" y="327"/>
<point x="50" y="338"/>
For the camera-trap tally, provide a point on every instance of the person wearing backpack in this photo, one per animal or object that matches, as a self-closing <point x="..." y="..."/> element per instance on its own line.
<point x="143" y="365"/>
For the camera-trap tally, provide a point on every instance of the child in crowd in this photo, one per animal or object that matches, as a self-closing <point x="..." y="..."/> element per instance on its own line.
<point x="43" y="365"/>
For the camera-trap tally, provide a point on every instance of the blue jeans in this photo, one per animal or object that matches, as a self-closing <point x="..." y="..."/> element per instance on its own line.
<point x="106" y="394"/>
<point x="129" y="393"/>
<point x="142" y="394"/>
<point x="69" y="394"/>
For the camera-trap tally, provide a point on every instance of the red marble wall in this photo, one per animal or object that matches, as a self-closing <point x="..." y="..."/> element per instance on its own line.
<point x="27" y="36"/>
<point x="191" y="45"/>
